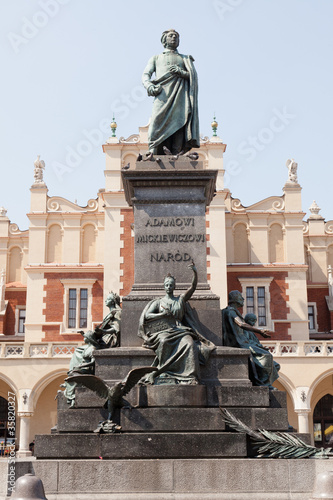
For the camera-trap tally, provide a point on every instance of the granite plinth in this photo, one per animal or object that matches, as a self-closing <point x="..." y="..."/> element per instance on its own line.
<point x="226" y="366"/>
<point x="141" y="445"/>
<point x="206" y="307"/>
<point x="170" y="479"/>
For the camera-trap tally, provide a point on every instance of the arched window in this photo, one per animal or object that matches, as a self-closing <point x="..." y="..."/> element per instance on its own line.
<point x="54" y="244"/>
<point x="276" y="246"/>
<point x="88" y="253"/>
<point x="15" y="265"/>
<point x="323" y="422"/>
<point x="241" y="244"/>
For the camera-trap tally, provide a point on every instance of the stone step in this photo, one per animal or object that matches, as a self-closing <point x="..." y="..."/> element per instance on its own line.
<point x="141" y="445"/>
<point x="171" y="419"/>
<point x="238" y="396"/>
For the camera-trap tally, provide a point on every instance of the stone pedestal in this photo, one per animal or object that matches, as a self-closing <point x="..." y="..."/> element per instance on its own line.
<point x="169" y="199"/>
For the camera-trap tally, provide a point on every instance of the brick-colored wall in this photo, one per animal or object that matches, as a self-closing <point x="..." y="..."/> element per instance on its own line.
<point x="54" y="303"/>
<point x="127" y="252"/>
<point x="15" y="298"/>
<point x="278" y="297"/>
<point x="317" y="295"/>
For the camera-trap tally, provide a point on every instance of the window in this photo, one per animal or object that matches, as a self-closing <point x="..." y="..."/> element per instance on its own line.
<point x="256" y="294"/>
<point x="21" y="321"/>
<point x="261" y="306"/>
<point x="312" y="317"/>
<point x="77" y="311"/>
<point x="256" y="305"/>
<point x="77" y="302"/>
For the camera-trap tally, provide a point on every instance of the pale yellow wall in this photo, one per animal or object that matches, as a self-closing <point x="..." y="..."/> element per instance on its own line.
<point x="241" y="243"/>
<point x="88" y="243"/>
<point x="15" y="264"/>
<point x="54" y="244"/>
<point x="45" y="415"/>
<point x="276" y="246"/>
<point x="292" y="415"/>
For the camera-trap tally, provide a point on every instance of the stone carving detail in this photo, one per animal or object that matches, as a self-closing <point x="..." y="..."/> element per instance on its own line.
<point x="3" y="212"/>
<point x="315" y="209"/>
<point x="273" y="203"/>
<point x="2" y="289"/>
<point x="14" y="350"/>
<point x="132" y="139"/>
<point x="329" y="227"/>
<point x="330" y="281"/>
<point x="305" y="227"/>
<point x="292" y="171"/>
<point x="38" y="351"/>
<point x="38" y="172"/>
<point x="58" y="204"/>
<point x="63" y="350"/>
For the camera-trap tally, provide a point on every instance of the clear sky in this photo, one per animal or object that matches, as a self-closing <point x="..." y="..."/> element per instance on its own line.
<point x="264" y="67"/>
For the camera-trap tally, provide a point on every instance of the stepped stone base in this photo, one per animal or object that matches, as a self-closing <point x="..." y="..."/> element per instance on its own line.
<point x="177" y="479"/>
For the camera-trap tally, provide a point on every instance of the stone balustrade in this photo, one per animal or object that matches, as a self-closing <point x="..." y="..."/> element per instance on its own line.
<point x="66" y="349"/>
<point x="37" y="349"/>
<point x="300" y="348"/>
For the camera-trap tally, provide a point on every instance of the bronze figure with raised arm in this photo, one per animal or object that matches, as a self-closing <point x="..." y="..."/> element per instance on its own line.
<point x="169" y="327"/>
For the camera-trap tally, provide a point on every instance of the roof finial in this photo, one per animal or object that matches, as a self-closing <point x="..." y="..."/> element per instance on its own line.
<point x="214" y="126"/>
<point x="113" y="126"/>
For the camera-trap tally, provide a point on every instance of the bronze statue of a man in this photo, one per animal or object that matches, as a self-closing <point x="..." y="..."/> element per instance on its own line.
<point x="174" y="122"/>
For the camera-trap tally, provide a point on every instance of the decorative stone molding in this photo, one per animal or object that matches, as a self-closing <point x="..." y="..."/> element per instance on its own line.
<point x="271" y="204"/>
<point x="58" y="204"/>
<point x="132" y="139"/>
<point x="315" y="209"/>
<point x="329" y="227"/>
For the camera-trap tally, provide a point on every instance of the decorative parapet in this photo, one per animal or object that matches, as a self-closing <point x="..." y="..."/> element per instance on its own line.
<point x="58" y="204"/>
<point x="271" y="204"/>
<point x="37" y="350"/>
<point x="300" y="349"/>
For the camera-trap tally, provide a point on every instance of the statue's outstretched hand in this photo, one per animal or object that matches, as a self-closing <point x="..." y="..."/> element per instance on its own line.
<point x="192" y="266"/>
<point x="264" y="333"/>
<point x="154" y="90"/>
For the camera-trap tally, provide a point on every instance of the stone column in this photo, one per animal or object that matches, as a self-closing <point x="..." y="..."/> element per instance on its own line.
<point x="303" y="420"/>
<point x="24" y="434"/>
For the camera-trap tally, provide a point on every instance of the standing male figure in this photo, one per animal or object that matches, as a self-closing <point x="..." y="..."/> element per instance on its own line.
<point x="174" y="121"/>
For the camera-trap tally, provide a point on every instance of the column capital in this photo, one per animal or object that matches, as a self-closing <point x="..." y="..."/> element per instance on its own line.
<point x="25" y="414"/>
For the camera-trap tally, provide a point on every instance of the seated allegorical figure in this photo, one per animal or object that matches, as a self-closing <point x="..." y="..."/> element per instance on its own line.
<point x="240" y="332"/>
<point x="169" y="327"/>
<point x="104" y="336"/>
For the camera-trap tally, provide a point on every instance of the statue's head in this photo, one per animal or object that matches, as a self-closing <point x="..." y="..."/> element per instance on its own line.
<point x="169" y="283"/>
<point x="251" y="319"/>
<point x="112" y="299"/>
<point x="235" y="298"/>
<point x="170" y="39"/>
